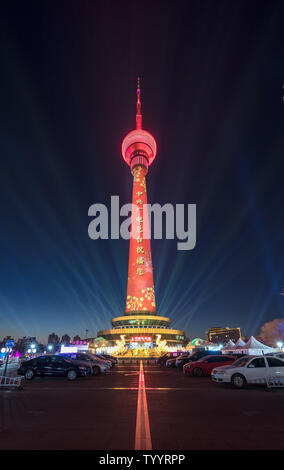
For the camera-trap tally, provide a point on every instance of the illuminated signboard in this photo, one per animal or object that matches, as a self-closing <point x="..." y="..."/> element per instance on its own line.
<point x="139" y="339"/>
<point x="68" y="349"/>
<point x="74" y="349"/>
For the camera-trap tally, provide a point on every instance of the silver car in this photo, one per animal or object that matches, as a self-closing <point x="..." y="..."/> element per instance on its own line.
<point x="98" y="357"/>
<point x="98" y="366"/>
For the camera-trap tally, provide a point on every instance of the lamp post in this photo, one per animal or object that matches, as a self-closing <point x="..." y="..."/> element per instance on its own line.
<point x="279" y="344"/>
<point x="32" y="349"/>
<point x="9" y="346"/>
<point x="8" y="351"/>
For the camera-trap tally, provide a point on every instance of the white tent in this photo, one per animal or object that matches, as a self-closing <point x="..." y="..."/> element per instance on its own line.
<point x="228" y="346"/>
<point x="231" y="347"/>
<point x="239" y="344"/>
<point x="254" y="347"/>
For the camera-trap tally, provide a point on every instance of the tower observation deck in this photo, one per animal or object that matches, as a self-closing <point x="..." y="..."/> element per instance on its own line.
<point x="140" y="324"/>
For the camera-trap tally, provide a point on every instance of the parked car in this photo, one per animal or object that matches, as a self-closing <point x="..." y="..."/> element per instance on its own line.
<point x="99" y="357"/>
<point x="198" y="355"/>
<point x="172" y="361"/>
<point x="110" y="358"/>
<point x="54" y="365"/>
<point x="162" y="359"/>
<point x="249" y="370"/>
<point x="181" y="360"/>
<point x="206" y="364"/>
<point x="97" y="366"/>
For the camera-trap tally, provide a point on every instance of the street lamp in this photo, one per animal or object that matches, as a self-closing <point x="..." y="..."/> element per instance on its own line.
<point x="279" y="345"/>
<point x="50" y="347"/>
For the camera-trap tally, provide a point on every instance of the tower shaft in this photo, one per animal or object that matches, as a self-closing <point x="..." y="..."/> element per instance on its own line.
<point x="140" y="284"/>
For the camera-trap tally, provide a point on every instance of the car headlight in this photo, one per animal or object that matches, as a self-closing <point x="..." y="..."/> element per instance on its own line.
<point x="83" y="368"/>
<point x="220" y="372"/>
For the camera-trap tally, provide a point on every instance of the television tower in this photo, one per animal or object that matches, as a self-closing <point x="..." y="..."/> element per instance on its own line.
<point x="139" y="151"/>
<point x="140" y="324"/>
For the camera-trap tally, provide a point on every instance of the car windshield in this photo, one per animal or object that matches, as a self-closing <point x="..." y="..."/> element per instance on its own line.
<point x="92" y="356"/>
<point x="98" y="356"/>
<point x="241" y="362"/>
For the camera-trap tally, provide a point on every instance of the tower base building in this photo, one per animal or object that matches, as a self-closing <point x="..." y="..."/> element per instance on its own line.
<point x="150" y="334"/>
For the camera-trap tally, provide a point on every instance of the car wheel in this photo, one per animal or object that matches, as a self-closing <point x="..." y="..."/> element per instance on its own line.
<point x="72" y="374"/>
<point x="238" y="381"/>
<point x="197" y="372"/>
<point x="96" y="370"/>
<point x="29" y="374"/>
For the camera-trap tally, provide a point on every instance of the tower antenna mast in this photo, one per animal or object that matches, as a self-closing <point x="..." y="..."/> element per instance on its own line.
<point x="138" y="107"/>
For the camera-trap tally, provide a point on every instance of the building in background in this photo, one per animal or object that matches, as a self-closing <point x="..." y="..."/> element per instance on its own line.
<point x="220" y="335"/>
<point x="141" y="328"/>
<point x="26" y="343"/>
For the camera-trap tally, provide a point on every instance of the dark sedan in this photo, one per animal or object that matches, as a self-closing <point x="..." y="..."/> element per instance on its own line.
<point x="53" y="365"/>
<point x="162" y="359"/>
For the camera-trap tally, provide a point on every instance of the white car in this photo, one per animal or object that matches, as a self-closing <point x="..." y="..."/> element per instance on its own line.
<point x="249" y="370"/>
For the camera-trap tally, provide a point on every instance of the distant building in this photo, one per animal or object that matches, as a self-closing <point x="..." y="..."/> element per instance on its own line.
<point x="23" y="344"/>
<point x="218" y="335"/>
<point x="4" y="340"/>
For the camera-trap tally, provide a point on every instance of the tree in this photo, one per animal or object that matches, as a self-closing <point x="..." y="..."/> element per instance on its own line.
<point x="77" y="338"/>
<point x="272" y="332"/>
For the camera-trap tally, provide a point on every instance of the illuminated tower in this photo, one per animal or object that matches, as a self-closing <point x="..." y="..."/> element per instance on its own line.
<point x="139" y="150"/>
<point x="140" y="323"/>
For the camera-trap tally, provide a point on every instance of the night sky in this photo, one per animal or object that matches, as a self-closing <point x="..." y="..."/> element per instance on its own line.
<point x="212" y="75"/>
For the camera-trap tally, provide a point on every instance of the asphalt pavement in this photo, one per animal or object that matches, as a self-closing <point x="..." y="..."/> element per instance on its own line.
<point x="146" y="407"/>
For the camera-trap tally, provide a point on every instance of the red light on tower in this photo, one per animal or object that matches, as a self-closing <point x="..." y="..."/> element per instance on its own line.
<point x="139" y="149"/>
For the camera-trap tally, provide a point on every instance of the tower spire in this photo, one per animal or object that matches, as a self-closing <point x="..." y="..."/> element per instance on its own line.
<point x="138" y="107"/>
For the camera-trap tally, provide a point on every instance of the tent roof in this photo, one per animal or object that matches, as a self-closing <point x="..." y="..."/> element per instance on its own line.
<point x="239" y="344"/>
<point x="253" y="343"/>
<point x="229" y="345"/>
<point x="99" y="338"/>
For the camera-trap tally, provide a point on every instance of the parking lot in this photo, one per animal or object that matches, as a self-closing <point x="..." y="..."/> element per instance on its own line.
<point x="103" y="412"/>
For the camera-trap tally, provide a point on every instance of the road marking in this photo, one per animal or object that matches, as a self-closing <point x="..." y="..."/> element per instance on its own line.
<point x="99" y="389"/>
<point x="142" y="435"/>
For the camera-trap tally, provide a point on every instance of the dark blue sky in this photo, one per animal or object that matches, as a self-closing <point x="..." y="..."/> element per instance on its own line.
<point x="212" y="95"/>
